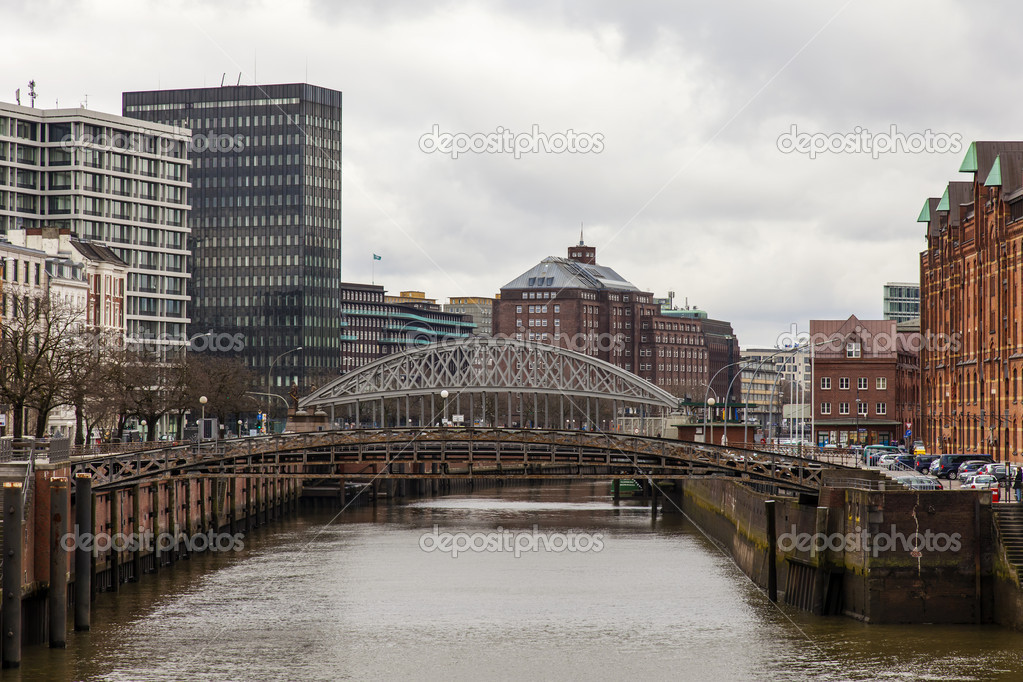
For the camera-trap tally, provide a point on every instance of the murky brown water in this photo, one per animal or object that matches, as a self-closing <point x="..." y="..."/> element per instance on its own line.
<point x="359" y="599"/>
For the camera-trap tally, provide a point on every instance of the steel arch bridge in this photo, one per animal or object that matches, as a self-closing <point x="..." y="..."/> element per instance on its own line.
<point x="502" y="381"/>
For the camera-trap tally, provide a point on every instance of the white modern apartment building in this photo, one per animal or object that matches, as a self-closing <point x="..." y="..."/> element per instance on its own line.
<point x="116" y="181"/>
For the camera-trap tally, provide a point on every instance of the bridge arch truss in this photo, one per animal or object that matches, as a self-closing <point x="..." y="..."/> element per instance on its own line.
<point x="490" y="382"/>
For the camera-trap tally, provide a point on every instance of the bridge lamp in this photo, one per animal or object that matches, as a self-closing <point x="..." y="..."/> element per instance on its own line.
<point x="710" y="403"/>
<point x="144" y="432"/>
<point x="202" y="401"/>
<point x="444" y="394"/>
<point x="239" y="428"/>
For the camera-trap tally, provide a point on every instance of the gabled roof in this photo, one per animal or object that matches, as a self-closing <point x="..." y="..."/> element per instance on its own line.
<point x="563" y="273"/>
<point x="96" y="252"/>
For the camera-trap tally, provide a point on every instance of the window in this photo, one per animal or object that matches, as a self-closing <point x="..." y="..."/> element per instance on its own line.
<point x="881" y="408"/>
<point x="882" y="383"/>
<point x="518" y="309"/>
<point x="843" y="408"/>
<point x="852" y="349"/>
<point x="843" y="383"/>
<point x="557" y="308"/>
<point x="862" y="408"/>
<point x="861" y="383"/>
<point x="825" y="384"/>
<point x="825" y="408"/>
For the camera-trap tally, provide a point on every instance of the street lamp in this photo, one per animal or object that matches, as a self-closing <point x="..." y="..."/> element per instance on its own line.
<point x="270" y="368"/>
<point x="239" y="428"/>
<point x="145" y="432"/>
<point x="444" y="396"/>
<point x="710" y="402"/>
<point x="202" y="401"/>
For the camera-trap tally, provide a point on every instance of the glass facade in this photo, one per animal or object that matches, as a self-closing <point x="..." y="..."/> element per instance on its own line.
<point x="266" y="222"/>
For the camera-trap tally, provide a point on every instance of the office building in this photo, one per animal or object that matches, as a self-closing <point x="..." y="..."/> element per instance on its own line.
<point x="373" y="328"/>
<point x="577" y="304"/>
<point x="266" y="221"/>
<point x="901" y="301"/>
<point x="480" y="308"/>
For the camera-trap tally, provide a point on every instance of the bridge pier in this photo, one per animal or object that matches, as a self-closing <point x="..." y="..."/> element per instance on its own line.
<point x="113" y="557"/>
<point x="84" y="567"/>
<point x="60" y="509"/>
<point x="154" y="520"/>
<point x="136" y="528"/>
<point x="13" y="548"/>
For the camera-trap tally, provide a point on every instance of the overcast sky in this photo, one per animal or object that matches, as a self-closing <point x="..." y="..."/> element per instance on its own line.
<point x="688" y="191"/>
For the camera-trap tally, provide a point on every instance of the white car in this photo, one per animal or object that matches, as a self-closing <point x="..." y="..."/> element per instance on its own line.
<point x="981" y="482"/>
<point x="885" y="460"/>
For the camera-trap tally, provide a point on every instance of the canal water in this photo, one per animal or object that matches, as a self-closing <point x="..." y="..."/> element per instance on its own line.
<point x="595" y="592"/>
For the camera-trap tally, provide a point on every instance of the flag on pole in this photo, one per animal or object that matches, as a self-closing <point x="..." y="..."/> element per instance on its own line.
<point x="376" y="257"/>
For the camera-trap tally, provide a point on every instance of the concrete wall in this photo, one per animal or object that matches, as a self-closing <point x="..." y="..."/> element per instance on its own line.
<point x="855" y="569"/>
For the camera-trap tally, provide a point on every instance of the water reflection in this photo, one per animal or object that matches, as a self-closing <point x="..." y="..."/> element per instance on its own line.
<point x="358" y="598"/>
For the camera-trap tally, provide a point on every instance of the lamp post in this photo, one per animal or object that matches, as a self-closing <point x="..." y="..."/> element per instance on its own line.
<point x="145" y="431"/>
<point x="239" y="428"/>
<point x="444" y="396"/>
<point x="202" y="401"/>
<point x="270" y="368"/>
<point x="709" y="402"/>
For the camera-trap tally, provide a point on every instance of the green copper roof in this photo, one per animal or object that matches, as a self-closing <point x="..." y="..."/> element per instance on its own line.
<point x="943" y="204"/>
<point x="925" y="212"/>
<point x="994" y="178"/>
<point x="970" y="162"/>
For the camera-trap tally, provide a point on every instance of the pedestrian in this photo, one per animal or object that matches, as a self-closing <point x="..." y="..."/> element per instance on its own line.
<point x="1017" y="484"/>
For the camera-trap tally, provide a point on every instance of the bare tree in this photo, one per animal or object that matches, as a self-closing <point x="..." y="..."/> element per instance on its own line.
<point x="37" y="344"/>
<point x="223" y="381"/>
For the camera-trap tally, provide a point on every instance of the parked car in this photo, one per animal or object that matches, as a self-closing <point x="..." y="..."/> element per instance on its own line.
<point x="902" y="463"/>
<point x="885" y="460"/>
<point x="947" y="466"/>
<point x="999" y="471"/>
<point x="872" y="453"/>
<point x="919" y="482"/>
<point x="982" y="482"/>
<point x="923" y="462"/>
<point x="972" y="466"/>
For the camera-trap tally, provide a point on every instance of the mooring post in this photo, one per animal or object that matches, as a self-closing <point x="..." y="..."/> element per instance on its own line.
<point x="83" y="555"/>
<point x="154" y="515"/>
<point x="114" y="560"/>
<point x="772" y="543"/>
<point x="13" y="512"/>
<point x="137" y="528"/>
<point x="172" y="520"/>
<point x="60" y="506"/>
<point x="616" y="490"/>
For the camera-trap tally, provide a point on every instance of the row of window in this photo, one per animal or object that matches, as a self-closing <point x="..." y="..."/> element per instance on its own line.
<point x="881" y="383"/>
<point x="862" y="408"/>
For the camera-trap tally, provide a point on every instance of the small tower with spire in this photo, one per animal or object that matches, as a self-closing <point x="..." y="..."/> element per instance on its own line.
<point x="581" y="252"/>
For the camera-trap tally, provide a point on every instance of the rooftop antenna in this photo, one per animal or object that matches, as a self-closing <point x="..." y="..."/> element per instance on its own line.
<point x="32" y="92"/>
<point x="581" y="242"/>
<point x="17" y="96"/>
<point x="85" y="104"/>
<point x="222" y="79"/>
<point x="239" y="78"/>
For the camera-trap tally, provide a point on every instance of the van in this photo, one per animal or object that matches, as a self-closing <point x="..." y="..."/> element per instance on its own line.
<point x="947" y="466"/>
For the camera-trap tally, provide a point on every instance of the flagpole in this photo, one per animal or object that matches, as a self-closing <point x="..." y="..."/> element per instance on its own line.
<point x="373" y="272"/>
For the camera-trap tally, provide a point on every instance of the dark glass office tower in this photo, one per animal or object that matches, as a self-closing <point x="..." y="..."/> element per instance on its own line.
<point x="266" y="223"/>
